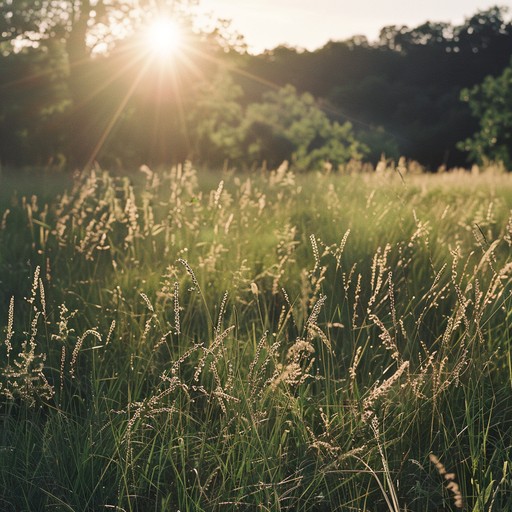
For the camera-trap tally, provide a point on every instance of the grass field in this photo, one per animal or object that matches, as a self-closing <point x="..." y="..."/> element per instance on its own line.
<point x="183" y="340"/>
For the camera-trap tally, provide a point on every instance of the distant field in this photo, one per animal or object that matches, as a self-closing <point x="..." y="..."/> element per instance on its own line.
<point x="192" y="341"/>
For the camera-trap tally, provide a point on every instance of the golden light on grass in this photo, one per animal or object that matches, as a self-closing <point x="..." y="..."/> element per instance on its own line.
<point x="163" y="37"/>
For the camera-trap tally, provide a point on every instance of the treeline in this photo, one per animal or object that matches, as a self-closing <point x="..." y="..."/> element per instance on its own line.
<point x="63" y="104"/>
<point x="402" y="93"/>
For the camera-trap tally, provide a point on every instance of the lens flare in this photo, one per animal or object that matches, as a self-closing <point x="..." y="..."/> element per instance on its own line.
<point x="164" y="37"/>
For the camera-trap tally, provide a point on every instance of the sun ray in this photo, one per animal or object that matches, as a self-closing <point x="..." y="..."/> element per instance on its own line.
<point x="163" y="37"/>
<point x="116" y="115"/>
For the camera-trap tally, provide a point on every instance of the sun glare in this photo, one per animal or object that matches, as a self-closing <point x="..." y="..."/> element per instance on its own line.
<point x="163" y="37"/>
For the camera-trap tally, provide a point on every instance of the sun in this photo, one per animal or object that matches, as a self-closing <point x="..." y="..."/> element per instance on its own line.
<point x="164" y="37"/>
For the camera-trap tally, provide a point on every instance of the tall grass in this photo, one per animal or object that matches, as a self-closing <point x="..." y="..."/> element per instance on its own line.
<point x="269" y="342"/>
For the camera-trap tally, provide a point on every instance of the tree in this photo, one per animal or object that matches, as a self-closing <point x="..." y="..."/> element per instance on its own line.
<point x="289" y="126"/>
<point x="33" y="102"/>
<point x="215" y="119"/>
<point x="491" y="104"/>
<point x="483" y="30"/>
<point x="85" y="27"/>
<point x="104" y="54"/>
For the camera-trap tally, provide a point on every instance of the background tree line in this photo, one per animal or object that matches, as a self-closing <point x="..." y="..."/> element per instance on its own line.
<point x="76" y="85"/>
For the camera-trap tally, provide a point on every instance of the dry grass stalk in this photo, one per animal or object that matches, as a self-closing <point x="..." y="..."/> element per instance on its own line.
<point x="388" y="341"/>
<point x="10" y="331"/>
<point x="78" y="346"/>
<point x="381" y="390"/>
<point x="357" y="295"/>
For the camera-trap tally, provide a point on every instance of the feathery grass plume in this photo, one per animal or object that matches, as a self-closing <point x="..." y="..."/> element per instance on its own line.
<point x="211" y="350"/>
<point x="379" y="267"/>
<point x="291" y="374"/>
<point x="431" y="296"/>
<point x="339" y="251"/>
<point x="300" y="349"/>
<point x="42" y="297"/>
<point x="357" y="295"/>
<point x="162" y="340"/>
<point x="190" y="272"/>
<point x="147" y="301"/>
<point x="62" y="368"/>
<point x="440" y="376"/>
<point x="78" y="346"/>
<point x="217" y="194"/>
<point x="35" y="285"/>
<point x="176" y="294"/>
<point x="10" y="331"/>
<point x="64" y="330"/>
<point x="392" y="305"/>
<point x="352" y="371"/>
<point x="289" y="304"/>
<point x="451" y="484"/>
<point x="256" y="356"/>
<point x="147" y="327"/>
<point x="148" y="216"/>
<point x="176" y="364"/>
<point x="312" y="330"/>
<point x="316" y="254"/>
<point x="222" y="310"/>
<point x="381" y="390"/>
<point x="388" y="341"/>
<point x="298" y="364"/>
<point x="313" y="317"/>
<point x="507" y="236"/>
<point x="323" y="446"/>
<point x="278" y="274"/>
<point x="110" y="332"/>
<point x="95" y="236"/>
<point x="132" y="218"/>
<point x="478" y="311"/>
<point x="418" y="380"/>
<point x="147" y="409"/>
<point x="254" y="289"/>
<point x="422" y="230"/>
<point x="218" y="392"/>
<point x="317" y="281"/>
<point x="25" y="378"/>
<point x="228" y="224"/>
<point x="282" y="176"/>
<point x="271" y="355"/>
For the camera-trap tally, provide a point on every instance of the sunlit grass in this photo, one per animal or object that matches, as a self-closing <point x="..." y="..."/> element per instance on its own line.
<point x="189" y="341"/>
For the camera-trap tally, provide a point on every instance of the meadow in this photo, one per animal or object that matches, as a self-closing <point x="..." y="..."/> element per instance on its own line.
<point x="183" y="340"/>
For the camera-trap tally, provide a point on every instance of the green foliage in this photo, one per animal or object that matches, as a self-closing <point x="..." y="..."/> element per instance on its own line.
<point x="301" y="130"/>
<point x="400" y="93"/>
<point x="214" y="121"/>
<point x="491" y="104"/>
<point x="407" y="83"/>
<point x="33" y="102"/>
<point x="77" y="87"/>
<point x="98" y="51"/>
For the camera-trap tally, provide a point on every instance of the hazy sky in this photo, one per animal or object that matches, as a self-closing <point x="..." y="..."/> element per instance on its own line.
<point x="311" y="23"/>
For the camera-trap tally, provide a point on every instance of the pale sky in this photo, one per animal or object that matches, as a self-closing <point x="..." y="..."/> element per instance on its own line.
<point x="311" y="23"/>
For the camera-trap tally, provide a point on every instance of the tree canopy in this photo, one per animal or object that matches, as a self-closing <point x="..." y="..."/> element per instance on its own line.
<point x="77" y="83"/>
<point x="491" y="104"/>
